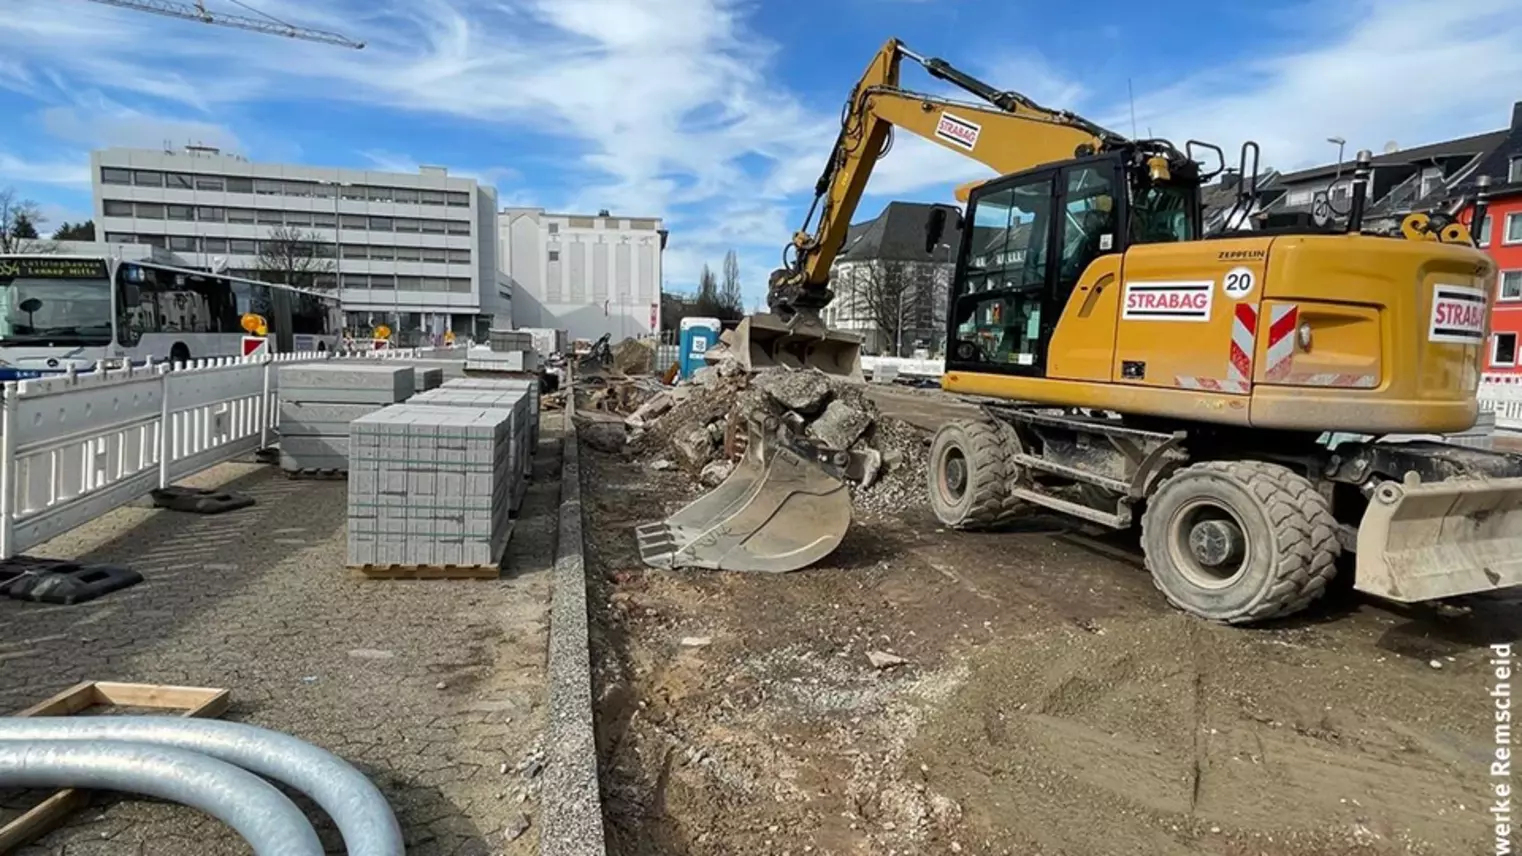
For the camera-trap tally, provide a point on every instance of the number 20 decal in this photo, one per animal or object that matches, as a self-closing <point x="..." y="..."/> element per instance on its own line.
<point x="1238" y="283"/>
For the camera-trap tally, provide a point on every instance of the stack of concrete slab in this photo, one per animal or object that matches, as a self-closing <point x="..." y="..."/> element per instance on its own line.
<point x="506" y="341"/>
<point x="431" y="487"/>
<point x="507" y="384"/>
<point x="431" y="378"/>
<point x="481" y="360"/>
<point x="318" y="401"/>
<point x="502" y="397"/>
<point x="547" y="340"/>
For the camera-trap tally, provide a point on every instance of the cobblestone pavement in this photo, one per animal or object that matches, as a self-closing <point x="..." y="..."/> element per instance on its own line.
<point x="435" y="689"/>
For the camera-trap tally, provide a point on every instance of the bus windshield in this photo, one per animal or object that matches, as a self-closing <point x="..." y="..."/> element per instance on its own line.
<point x="56" y="304"/>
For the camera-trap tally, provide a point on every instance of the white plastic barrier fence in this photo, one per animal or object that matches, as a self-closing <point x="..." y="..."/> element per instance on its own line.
<point x="75" y="446"/>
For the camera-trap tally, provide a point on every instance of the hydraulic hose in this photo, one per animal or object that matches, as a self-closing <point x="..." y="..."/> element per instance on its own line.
<point x="357" y="807"/>
<point x="266" y="818"/>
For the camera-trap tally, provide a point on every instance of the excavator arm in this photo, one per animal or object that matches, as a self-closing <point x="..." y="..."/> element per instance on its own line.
<point x="1005" y="131"/>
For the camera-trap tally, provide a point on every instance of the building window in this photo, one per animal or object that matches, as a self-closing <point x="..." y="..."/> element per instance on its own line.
<point x="406" y="225"/>
<point x="324" y="191"/>
<point x="150" y="211"/>
<point x="240" y="185"/>
<point x="1514" y="170"/>
<point x="240" y="215"/>
<point x="432" y="227"/>
<point x="460" y="284"/>
<point x="323" y="220"/>
<point x="554" y="228"/>
<point x="1340" y="192"/>
<point x="1431" y="179"/>
<point x="120" y="238"/>
<point x="642" y="225"/>
<point x="458" y="227"/>
<point x="1511" y="285"/>
<point x="355" y="251"/>
<point x="148" y="178"/>
<point x="179" y="181"/>
<point x="214" y="245"/>
<point x="431" y="254"/>
<point x="298" y="218"/>
<point x="269" y="188"/>
<point x="241" y="247"/>
<point x="380" y="224"/>
<point x="1514" y="228"/>
<point x="1297" y="198"/>
<point x="354" y="221"/>
<point x="115" y="176"/>
<point x="209" y="182"/>
<point x="211" y="215"/>
<point x="184" y="243"/>
<point x="181" y="212"/>
<point x="269" y="218"/>
<point x="432" y="197"/>
<point x="1484" y="239"/>
<point x="402" y="194"/>
<point x="554" y="255"/>
<point x="407" y="254"/>
<point x="459" y="200"/>
<point x="409" y="283"/>
<point x="459" y="256"/>
<point x="115" y="208"/>
<point x="382" y="254"/>
<point x="379" y="194"/>
<point x="302" y="189"/>
<point x="1503" y="349"/>
<point x="353" y="192"/>
<point x="385" y="281"/>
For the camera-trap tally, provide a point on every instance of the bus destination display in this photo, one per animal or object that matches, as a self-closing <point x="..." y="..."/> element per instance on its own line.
<point x="36" y="268"/>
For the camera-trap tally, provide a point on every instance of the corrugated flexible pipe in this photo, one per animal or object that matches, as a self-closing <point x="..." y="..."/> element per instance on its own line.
<point x="266" y="818"/>
<point x="357" y="807"/>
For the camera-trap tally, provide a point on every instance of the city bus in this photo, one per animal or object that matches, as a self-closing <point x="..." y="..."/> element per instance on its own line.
<point x="63" y="311"/>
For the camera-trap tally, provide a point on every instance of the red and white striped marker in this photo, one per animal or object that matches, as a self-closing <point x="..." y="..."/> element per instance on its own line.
<point x="1282" y="321"/>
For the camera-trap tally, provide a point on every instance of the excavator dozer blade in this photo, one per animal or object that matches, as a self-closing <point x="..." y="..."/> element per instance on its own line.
<point x="764" y="340"/>
<point x="778" y="511"/>
<point x="1425" y="541"/>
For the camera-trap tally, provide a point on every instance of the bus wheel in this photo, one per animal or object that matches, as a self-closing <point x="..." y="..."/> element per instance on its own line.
<point x="179" y="353"/>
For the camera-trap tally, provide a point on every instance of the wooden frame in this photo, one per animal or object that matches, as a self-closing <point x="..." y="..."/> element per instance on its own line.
<point x="199" y="702"/>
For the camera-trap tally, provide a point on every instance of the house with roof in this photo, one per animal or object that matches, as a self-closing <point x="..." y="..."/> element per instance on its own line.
<point x="888" y="289"/>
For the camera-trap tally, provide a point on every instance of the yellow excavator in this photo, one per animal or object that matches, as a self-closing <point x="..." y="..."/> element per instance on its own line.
<point x="1132" y="371"/>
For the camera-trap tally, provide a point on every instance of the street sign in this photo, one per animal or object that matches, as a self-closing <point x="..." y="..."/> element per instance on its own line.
<point x="255" y="346"/>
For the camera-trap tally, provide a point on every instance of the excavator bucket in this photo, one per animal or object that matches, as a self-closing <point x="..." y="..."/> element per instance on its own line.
<point x="778" y="511"/>
<point x="764" y="340"/>
<point x="1424" y="541"/>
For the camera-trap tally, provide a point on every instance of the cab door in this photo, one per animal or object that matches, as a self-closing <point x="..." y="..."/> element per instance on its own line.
<point x="1001" y="310"/>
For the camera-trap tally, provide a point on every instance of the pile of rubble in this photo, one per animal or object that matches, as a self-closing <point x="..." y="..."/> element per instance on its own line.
<point x="699" y="427"/>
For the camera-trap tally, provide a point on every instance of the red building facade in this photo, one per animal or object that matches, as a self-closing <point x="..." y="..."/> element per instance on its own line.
<point x="1501" y="236"/>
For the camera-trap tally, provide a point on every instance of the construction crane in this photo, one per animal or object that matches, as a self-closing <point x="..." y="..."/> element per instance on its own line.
<point x="197" y="11"/>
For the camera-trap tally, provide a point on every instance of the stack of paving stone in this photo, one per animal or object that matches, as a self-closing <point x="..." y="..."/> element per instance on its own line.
<point x="524" y="428"/>
<point x="507" y="384"/>
<point x="429" y="378"/>
<point x="319" y="401"/>
<point x="511" y="351"/>
<point x="431" y="488"/>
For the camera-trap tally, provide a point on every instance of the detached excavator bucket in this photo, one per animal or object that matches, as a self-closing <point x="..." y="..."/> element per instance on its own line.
<point x="764" y="340"/>
<point x="778" y="511"/>
<point x="1424" y="541"/>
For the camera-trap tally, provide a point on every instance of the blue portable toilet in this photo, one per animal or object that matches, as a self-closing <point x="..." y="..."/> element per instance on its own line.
<point x="697" y="336"/>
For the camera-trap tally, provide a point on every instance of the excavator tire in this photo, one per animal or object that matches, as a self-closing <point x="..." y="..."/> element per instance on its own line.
<point x="1239" y="541"/>
<point x="970" y="473"/>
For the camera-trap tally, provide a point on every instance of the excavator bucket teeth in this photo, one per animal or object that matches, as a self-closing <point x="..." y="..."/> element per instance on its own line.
<point x="1425" y="541"/>
<point x="777" y="512"/>
<point x="765" y="341"/>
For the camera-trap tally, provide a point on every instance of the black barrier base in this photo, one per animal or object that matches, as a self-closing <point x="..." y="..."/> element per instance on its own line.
<point x="199" y="501"/>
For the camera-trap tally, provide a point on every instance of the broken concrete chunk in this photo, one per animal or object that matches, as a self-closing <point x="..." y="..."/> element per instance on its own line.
<point x="716" y="430"/>
<point x="715" y="472"/>
<point x="840" y="425"/>
<point x="884" y="660"/>
<point x="694" y="449"/>
<point x="650" y="410"/>
<point x="696" y="641"/>
<point x="804" y="391"/>
<point x="705" y="375"/>
<point x="661" y="464"/>
<point x="864" y="467"/>
<point x="728" y="366"/>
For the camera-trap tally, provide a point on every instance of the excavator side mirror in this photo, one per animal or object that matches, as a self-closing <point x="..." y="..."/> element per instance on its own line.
<point x="935" y="226"/>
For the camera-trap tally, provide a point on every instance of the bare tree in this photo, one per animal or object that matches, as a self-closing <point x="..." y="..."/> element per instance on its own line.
<point x="888" y="296"/>
<point x="292" y="257"/>
<point x="730" y="298"/>
<point x="19" y="219"/>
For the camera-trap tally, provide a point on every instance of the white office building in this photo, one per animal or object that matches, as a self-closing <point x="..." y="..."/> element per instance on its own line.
<point x="586" y="275"/>
<point x="416" y="251"/>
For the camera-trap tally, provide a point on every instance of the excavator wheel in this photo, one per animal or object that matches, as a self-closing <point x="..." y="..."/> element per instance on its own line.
<point x="1239" y="541"/>
<point x="970" y="472"/>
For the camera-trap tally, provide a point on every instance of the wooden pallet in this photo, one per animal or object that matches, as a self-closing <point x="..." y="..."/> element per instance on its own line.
<point x="426" y="572"/>
<point x="199" y="702"/>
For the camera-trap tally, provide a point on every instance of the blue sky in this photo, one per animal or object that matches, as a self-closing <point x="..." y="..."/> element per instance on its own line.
<point x="718" y="114"/>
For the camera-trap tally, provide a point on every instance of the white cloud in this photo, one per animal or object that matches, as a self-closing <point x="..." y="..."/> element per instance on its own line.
<point x="69" y="173"/>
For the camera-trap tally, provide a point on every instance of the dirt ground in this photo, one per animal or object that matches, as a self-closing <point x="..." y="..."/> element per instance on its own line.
<point x="1050" y="702"/>
<point x="434" y="689"/>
